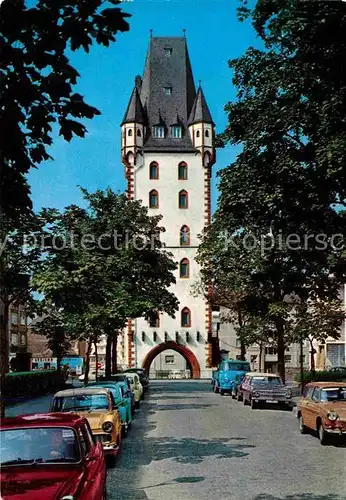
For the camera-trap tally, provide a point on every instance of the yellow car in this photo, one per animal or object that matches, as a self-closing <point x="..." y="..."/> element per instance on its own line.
<point x="98" y="407"/>
<point x="136" y="387"/>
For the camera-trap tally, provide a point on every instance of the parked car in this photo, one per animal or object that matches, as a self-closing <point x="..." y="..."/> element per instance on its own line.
<point x="260" y="389"/>
<point x="143" y="377"/>
<point x="121" y="377"/>
<point x="338" y="369"/>
<point x="175" y="374"/>
<point x="122" y="400"/>
<point x="226" y="374"/>
<point x="51" y="456"/>
<point x="97" y="405"/>
<point x="92" y="375"/>
<point x="322" y="408"/>
<point x="136" y="387"/>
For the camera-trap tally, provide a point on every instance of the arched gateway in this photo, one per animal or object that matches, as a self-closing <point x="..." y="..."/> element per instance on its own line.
<point x="184" y="351"/>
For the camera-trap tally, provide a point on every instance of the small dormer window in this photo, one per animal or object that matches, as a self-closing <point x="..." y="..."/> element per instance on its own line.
<point x="177" y="132"/>
<point x="168" y="51"/>
<point x="168" y="90"/>
<point x="159" y="132"/>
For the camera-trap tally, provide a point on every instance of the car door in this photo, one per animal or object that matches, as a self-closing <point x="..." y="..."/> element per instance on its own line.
<point x="93" y="463"/>
<point x="307" y="407"/>
<point x="314" y="407"/>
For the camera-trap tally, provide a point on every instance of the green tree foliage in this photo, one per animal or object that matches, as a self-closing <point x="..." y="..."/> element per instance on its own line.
<point x="106" y="264"/>
<point x="37" y="81"/>
<point x="286" y="186"/>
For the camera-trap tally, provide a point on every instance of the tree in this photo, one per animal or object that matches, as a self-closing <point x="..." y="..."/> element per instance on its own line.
<point x="37" y="80"/>
<point x="285" y="187"/>
<point x="107" y="265"/>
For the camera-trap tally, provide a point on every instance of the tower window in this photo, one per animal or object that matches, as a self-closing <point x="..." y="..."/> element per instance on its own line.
<point x="159" y="132"/>
<point x="185" y="236"/>
<point x="177" y="132"/>
<point x="154" y="199"/>
<point x="154" y="320"/>
<point x="183" y="199"/>
<point x="168" y="51"/>
<point x="184" y="268"/>
<point x="206" y="133"/>
<point x="138" y="133"/>
<point x="129" y="133"/>
<point x="168" y="90"/>
<point x="154" y="170"/>
<point x="182" y="171"/>
<point x="197" y="133"/>
<point x="186" y="317"/>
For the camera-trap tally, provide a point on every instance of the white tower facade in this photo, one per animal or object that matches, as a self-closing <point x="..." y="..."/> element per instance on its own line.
<point x="168" y="152"/>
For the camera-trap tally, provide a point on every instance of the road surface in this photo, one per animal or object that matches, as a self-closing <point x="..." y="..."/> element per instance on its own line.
<point x="187" y="443"/>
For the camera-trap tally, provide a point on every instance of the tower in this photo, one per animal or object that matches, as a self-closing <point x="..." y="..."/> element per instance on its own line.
<point x="167" y="147"/>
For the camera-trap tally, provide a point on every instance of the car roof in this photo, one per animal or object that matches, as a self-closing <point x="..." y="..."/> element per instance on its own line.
<point x="259" y="374"/>
<point x="82" y="391"/>
<point x="42" y="420"/>
<point x="326" y="384"/>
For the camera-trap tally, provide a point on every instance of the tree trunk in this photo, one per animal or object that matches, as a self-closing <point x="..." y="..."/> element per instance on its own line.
<point x="312" y="356"/>
<point x="87" y="362"/>
<point x="108" y="367"/>
<point x="96" y="360"/>
<point x="4" y="353"/>
<point x="242" y="344"/>
<point x="281" y="349"/>
<point x="115" y="352"/>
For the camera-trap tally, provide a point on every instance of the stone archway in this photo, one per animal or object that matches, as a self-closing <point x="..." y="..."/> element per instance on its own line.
<point x="184" y="351"/>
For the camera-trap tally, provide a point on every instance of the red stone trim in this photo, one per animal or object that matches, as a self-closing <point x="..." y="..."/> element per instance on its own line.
<point x="184" y="351"/>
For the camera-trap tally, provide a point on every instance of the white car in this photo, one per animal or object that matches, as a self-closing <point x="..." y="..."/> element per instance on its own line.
<point x="175" y="374"/>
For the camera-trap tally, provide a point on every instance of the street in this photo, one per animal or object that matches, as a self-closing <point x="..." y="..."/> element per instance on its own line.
<point x="188" y="443"/>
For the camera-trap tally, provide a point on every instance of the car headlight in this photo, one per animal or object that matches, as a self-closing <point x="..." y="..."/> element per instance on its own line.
<point x="226" y="379"/>
<point x="289" y="394"/>
<point x="256" y="394"/>
<point x="108" y="427"/>
<point x="68" y="497"/>
<point x="332" y="416"/>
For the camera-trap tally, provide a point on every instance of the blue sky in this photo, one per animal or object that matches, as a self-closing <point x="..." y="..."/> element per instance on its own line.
<point x="214" y="36"/>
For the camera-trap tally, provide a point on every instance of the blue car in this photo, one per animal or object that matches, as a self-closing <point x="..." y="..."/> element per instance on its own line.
<point x="122" y="401"/>
<point x="228" y="373"/>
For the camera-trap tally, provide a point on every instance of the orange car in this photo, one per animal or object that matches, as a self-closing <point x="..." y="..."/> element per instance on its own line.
<point x="322" y="408"/>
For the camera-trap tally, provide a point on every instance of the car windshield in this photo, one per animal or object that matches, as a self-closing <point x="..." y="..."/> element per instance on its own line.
<point x="236" y="367"/>
<point x="333" y="394"/>
<point x="266" y="380"/>
<point x="34" y="446"/>
<point x="82" y="402"/>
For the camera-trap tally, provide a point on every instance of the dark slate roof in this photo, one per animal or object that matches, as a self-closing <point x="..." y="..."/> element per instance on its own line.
<point x="200" y="111"/>
<point x="134" y="112"/>
<point x="168" y="71"/>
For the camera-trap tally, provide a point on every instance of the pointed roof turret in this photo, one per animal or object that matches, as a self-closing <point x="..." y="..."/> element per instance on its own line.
<point x="200" y="111"/>
<point x="135" y="112"/>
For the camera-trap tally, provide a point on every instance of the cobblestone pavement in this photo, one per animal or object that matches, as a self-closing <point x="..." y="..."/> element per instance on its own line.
<point x="188" y="443"/>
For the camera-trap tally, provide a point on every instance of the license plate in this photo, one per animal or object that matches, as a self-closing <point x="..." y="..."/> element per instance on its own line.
<point x="271" y="401"/>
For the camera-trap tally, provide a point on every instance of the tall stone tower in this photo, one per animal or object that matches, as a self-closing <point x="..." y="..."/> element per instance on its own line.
<point x="167" y="147"/>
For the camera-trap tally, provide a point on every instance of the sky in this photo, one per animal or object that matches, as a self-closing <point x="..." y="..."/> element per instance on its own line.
<point x="214" y="36"/>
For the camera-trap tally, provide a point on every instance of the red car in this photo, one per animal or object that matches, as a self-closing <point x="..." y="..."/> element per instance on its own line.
<point x="51" y="456"/>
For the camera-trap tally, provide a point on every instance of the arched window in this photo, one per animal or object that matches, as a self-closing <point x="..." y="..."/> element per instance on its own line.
<point x="206" y="133"/>
<point x="154" y="170"/>
<point x="206" y="159"/>
<point x="139" y="134"/>
<point x="185" y="318"/>
<point x="129" y="133"/>
<point x="183" y="199"/>
<point x="153" y="199"/>
<point x="185" y="236"/>
<point x="197" y="133"/>
<point x="182" y="171"/>
<point x="154" y="320"/>
<point x="184" y="268"/>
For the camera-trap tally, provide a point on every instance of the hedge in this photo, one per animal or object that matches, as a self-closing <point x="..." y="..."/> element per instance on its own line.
<point x="35" y="382"/>
<point x="322" y="376"/>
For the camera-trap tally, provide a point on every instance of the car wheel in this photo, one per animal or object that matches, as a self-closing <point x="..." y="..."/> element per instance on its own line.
<point x="222" y="392"/>
<point x="216" y="389"/>
<point x="322" y="435"/>
<point x="302" y="427"/>
<point x="233" y="395"/>
<point x="254" y="405"/>
<point x="244" y="400"/>
<point x="138" y="404"/>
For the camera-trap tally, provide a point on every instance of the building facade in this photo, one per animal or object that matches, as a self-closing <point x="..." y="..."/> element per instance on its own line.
<point x="17" y="330"/>
<point x="167" y="144"/>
